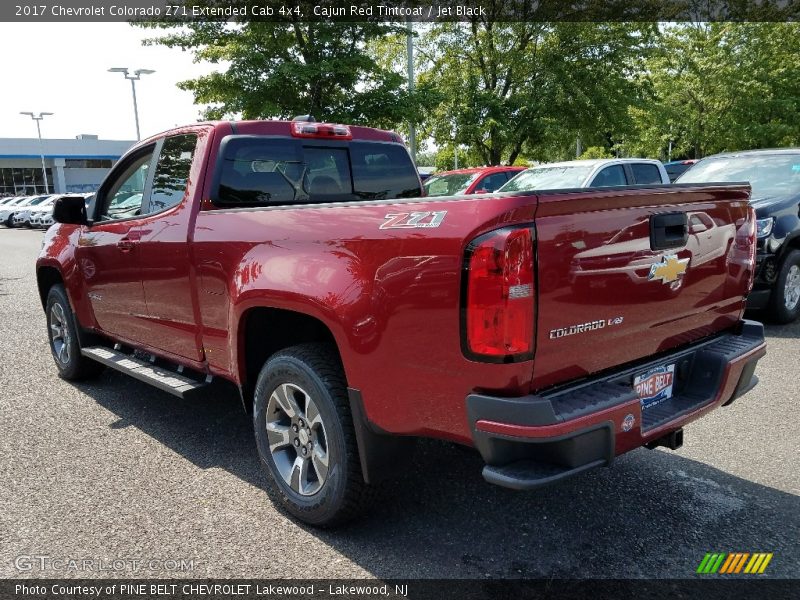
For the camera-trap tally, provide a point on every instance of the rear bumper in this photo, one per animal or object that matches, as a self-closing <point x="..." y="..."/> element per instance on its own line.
<point x="534" y="440"/>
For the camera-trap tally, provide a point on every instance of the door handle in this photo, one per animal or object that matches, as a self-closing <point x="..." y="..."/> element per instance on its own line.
<point x="126" y="245"/>
<point x="668" y="230"/>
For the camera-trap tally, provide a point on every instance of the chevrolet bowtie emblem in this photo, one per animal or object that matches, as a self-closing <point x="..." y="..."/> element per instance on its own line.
<point x="669" y="269"/>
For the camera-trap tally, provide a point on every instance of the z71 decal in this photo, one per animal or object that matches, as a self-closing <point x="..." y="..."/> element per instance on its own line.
<point x="414" y="220"/>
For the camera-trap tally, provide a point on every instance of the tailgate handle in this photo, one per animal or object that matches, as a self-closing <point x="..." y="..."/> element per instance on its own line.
<point x="668" y="230"/>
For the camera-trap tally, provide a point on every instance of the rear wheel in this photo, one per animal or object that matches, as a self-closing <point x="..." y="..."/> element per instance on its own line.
<point x="64" y="339"/>
<point x="785" y="297"/>
<point x="304" y="432"/>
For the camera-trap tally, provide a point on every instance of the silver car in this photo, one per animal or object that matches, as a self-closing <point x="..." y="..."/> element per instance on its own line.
<point x="594" y="173"/>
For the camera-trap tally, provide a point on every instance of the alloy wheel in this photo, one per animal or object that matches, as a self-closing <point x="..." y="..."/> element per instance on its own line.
<point x="791" y="289"/>
<point x="297" y="439"/>
<point x="59" y="333"/>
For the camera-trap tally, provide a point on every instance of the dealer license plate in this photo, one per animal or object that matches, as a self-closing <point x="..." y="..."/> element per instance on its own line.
<point x="655" y="385"/>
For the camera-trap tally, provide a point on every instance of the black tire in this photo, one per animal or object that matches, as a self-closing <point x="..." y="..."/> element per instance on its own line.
<point x="63" y="335"/>
<point x="779" y="307"/>
<point x="313" y="375"/>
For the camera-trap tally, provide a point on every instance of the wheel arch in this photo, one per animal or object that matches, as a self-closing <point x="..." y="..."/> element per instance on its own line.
<point x="46" y="278"/>
<point x="264" y="330"/>
<point x="381" y="455"/>
<point x="792" y="242"/>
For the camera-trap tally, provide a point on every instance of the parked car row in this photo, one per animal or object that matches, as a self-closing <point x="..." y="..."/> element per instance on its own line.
<point x="774" y="176"/>
<point x="30" y="211"/>
<point x="573" y="174"/>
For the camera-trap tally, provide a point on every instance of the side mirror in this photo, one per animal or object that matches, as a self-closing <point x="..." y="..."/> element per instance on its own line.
<point x="482" y="191"/>
<point x="70" y="210"/>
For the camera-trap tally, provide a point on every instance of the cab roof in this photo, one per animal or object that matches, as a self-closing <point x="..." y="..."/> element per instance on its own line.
<point x="281" y="128"/>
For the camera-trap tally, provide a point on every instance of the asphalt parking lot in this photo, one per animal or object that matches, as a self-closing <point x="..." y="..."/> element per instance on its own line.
<point x="114" y="469"/>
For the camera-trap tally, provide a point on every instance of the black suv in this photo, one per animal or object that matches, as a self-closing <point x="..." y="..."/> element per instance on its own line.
<point x="774" y="176"/>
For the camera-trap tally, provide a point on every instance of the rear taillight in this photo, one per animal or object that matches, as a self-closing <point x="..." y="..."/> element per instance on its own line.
<point x="305" y="129"/>
<point x="746" y="241"/>
<point x="498" y="313"/>
<point x="751" y="242"/>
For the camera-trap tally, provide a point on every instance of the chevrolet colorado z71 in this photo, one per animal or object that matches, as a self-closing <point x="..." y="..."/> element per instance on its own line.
<point x="298" y="261"/>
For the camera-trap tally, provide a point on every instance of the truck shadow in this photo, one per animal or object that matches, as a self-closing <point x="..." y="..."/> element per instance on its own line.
<point x="652" y="514"/>
<point x="773" y="330"/>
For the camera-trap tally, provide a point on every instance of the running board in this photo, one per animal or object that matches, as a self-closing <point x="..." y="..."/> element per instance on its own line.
<point x="164" y="379"/>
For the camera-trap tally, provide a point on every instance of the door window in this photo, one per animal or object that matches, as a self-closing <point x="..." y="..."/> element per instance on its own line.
<point x="172" y="172"/>
<point x="610" y="176"/>
<point x="491" y="182"/>
<point x="644" y="173"/>
<point x="125" y="194"/>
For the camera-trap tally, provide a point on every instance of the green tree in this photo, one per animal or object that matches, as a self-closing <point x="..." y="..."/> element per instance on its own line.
<point x="467" y="157"/>
<point x="282" y="69"/>
<point x="721" y="86"/>
<point x="596" y="152"/>
<point x="512" y="88"/>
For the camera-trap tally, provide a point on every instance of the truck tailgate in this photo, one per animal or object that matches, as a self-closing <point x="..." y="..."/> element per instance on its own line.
<point x="607" y="297"/>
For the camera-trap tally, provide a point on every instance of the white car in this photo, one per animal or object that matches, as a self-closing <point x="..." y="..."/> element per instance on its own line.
<point x="22" y="217"/>
<point x="594" y="173"/>
<point x="43" y="218"/>
<point x="7" y="210"/>
<point x="36" y="211"/>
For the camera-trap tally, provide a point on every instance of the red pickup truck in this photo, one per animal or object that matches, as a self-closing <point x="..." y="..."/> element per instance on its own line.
<point x="299" y="261"/>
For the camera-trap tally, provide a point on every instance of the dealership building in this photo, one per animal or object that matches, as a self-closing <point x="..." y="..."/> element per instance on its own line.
<point x="77" y="165"/>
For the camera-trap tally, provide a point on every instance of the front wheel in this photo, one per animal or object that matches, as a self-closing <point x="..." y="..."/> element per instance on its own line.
<point x="305" y="437"/>
<point x="64" y="341"/>
<point x="785" y="297"/>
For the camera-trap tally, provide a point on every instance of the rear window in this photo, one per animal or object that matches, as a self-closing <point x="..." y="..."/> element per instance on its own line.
<point x="268" y="171"/>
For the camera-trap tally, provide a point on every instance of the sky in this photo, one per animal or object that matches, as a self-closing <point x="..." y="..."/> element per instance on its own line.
<point x="62" y="68"/>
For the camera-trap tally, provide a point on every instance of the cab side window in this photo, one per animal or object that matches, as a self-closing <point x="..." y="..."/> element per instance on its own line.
<point x="124" y="197"/>
<point x="491" y="182"/>
<point x="172" y="172"/>
<point x="610" y="177"/>
<point x="645" y="173"/>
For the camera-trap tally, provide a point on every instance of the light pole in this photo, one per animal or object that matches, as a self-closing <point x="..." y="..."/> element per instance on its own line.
<point x="39" y="117"/>
<point x="669" y="150"/>
<point x="137" y="75"/>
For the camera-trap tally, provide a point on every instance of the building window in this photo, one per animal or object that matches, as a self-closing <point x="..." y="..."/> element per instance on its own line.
<point x="24" y="182"/>
<point x="92" y="163"/>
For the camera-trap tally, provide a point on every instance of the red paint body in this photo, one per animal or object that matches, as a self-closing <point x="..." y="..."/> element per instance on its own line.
<point x="180" y="283"/>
